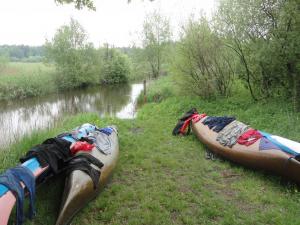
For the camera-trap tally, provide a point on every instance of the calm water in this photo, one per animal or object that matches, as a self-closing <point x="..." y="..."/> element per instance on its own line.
<point x="20" y="117"/>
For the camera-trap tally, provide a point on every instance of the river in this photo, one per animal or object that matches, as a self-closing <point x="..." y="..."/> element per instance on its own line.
<point x="22" y="117"/>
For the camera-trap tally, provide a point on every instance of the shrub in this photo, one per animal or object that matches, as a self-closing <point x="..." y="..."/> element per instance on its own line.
<point x="115" y="67"/>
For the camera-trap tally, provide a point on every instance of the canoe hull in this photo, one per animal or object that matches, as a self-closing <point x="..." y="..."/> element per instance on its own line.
<point x="271" y="160"/>
<point x="79" y="189"/>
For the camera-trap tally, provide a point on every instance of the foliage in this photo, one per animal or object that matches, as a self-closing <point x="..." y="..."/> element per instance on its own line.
<point x="202" y="60"/>
<point x="74" y="57"/>
<point x="139" y="70"/>
<point x="115" y="66"/>
<point x="23" y="53"/>
<point x="79" y="4"/>
<point x="265" y="36"/>
<point x="156" y="36"/>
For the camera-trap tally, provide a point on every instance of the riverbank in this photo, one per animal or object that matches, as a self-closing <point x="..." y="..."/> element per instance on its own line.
<point x="20" y="80"/>
<point x="161" y="179"/>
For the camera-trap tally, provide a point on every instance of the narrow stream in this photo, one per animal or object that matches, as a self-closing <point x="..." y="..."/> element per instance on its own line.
<point x="21" y="117"/>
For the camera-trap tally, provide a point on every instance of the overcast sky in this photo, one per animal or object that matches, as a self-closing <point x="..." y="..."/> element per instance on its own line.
<point x="116" y="22"/>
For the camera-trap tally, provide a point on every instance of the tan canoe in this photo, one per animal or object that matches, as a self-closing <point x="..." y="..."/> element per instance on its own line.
<point x="272" y="160"/>
<point x="79" y="189"/>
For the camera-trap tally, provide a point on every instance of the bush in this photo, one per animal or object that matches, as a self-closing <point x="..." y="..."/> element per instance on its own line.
<point x="115" y="68"/>
<point x="202" y="62"/>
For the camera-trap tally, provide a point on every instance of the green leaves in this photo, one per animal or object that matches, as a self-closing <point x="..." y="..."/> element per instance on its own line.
<point x="116" y="67"/>
<point x="156" y="35"/>
<point x="73" y="55"/>
<point x="79" y="4"/>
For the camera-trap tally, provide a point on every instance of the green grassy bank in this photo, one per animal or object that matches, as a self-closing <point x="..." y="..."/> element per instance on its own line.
<point x="161" y="179"/>
<point x="21" y="80"/>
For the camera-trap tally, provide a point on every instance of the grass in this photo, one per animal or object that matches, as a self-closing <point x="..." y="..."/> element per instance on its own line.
<point x="161" y="179"/>
<point x="22" y="68"/>
<point x="21" y="80"/>
<point x="159" y="90"/>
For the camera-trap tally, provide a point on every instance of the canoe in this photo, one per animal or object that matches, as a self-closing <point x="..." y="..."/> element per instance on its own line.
<point x="79" y="187"/>
<point x="275" y="159"/>
<point x="7" y="198"/>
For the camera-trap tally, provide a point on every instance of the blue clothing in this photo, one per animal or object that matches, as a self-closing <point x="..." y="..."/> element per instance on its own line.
<point x="31" y="164"/>
<point x="27" y="177"/>
<point x="217" y="123"/>
<point x="265" y="144"/>
<point x="13" y="184"/>
<point x="278" y="144"/>
<point x="78" y="133"/>
<point x="106" y="130"/>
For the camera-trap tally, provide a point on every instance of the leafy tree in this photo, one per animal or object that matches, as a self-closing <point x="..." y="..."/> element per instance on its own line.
<point x="115" y="66"/>
<point x="73" y="56"/>
<point x="203" y="62"/>
<point x="156" y="36"/>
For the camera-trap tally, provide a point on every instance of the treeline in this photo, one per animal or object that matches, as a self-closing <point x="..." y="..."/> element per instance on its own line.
<point x="22" y="53"/>
<point x="253" y="43"/>
<point x="78" y="63"/>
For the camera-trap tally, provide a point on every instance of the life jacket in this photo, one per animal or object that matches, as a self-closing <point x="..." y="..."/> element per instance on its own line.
<point x="185" y="122"/>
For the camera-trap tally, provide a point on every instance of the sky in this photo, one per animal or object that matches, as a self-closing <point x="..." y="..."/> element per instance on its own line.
<point x="31" y="22"/>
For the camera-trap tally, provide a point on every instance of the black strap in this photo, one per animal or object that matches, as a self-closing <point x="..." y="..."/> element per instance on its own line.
<point x="83" y="163"/>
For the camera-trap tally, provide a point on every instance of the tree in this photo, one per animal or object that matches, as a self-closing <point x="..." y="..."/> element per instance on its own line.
<point x="115" y="66"/>
<point x="265" y="36"/>
<point x="73" y="56"/>
<point x="203" y="62"/>
<point x="156" y="36"/>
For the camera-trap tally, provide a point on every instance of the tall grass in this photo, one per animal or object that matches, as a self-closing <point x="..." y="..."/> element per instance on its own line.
<point x="20" y="80"/>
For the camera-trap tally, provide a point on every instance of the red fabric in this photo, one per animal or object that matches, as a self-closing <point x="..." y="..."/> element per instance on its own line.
<point x="195" y="118"/>
<point x="249" y="137"/>
<point x="81" y="146"/>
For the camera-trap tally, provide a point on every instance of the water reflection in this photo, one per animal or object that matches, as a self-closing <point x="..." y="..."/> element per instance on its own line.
<point x="20" y="117"/>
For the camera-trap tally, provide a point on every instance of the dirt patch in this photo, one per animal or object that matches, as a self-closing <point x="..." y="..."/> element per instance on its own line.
<point x="9" y="71"/>
<point x="136" y="130"/>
